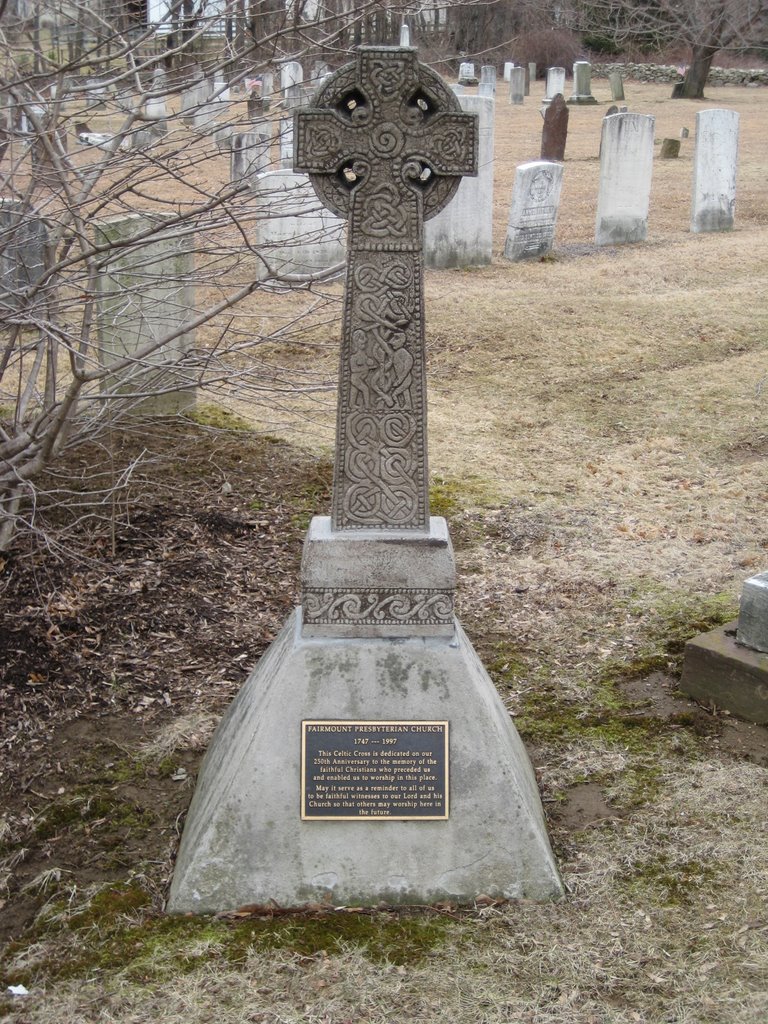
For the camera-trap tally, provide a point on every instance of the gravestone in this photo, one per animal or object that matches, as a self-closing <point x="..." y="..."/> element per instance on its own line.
<point x="533" y="212"/>
<point x="156" y="108"/>
<point x="267" y="88"/>
<point x="405" y="35"/>
<point x="461" y="235"/>
<point x="670" y="149"/>
<point x="626" y="166"/>
<point x="487" y="85"/>
<point x="753" y="613"/>
<point x="291" y="79"/>
<point x="554" y="133"/>
<point x="23" y="243"/>
<point x="508" y="65"/>
<point x="582" y="84"/>
<point x="467" y="74"/>
<point x="368" y="758"/>
<point x="294" y="233"/>
<point x="517" y="85"/>
<point x="249" y="154"/>
<point x="144" y="292"/>
<point x="617" y="85"/>
<point x="555" y="84"/>
<point x="715" y="162"/>
<point x="532" y="72"/>
<point x="728" y="666"/>
<point x="285" y="142"/>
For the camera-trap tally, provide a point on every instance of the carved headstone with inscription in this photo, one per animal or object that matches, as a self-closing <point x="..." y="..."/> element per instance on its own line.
<point x="368" y="757"/>
<point x="533" y="213"/>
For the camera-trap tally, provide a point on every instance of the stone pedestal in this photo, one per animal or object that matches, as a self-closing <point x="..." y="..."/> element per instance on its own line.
<point x="245" y="841"/>
<point x="720" y="670"/>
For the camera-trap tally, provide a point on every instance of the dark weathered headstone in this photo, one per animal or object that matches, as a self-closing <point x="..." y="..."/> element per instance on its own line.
<point x="554" y="134"/>
<point x="670" y="149"/>
<point x="23" y="242"/>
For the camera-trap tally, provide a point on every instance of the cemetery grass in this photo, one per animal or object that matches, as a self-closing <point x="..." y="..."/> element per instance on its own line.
<point x="598" y="442"/>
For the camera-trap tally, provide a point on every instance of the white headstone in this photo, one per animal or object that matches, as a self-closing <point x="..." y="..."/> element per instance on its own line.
<point x="533" y="213"/>
<point x="461" y="235"/>
<point x="531" y="77"/>
<point x="555" y="84"/>
<point x="582" y="84"/>
<point x="626" y="165"/>
<point x="220" y="91"/>
<point x="156" y="108"/>
<point x="249" y="154"/>
<point x="487" y="85"/>
<point x="285" y="142"/>
<point x="617" y="85"/>
<point x="295" y="234"/>
<point x="145" y="292"/>
<point x="466" y="72"/>
<point x="715" y="162"/>
<point x="291" y="73"/>
<point x="508" y="65"/>
<point x="517" y="85"/>
<point x="405" y="35"/>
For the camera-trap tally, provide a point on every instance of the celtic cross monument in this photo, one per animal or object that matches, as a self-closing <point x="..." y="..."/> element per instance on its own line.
<point x="368" y="757"/>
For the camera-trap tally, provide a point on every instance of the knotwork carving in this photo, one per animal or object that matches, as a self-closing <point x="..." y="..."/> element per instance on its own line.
<point x="376" y="607"/>
<point x="385" y="144"/>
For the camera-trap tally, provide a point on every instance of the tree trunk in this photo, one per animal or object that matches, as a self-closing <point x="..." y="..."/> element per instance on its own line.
<point x="698" y="72"/>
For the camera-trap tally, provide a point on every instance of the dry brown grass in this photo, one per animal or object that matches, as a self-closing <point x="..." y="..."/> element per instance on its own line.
<point x="600" y="422"/>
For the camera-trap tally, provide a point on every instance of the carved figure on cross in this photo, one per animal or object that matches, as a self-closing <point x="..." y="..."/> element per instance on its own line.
<point x="385" y="144"/>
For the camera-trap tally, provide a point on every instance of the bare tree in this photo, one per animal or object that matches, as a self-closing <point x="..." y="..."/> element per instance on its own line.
<point x="705" y="26"/>
<point x="94" y="130"/>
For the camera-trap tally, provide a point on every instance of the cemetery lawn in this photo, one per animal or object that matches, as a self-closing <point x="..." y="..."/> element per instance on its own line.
<point x="599" y="445"/>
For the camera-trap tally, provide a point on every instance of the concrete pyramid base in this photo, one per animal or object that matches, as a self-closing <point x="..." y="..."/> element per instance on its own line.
<point x="244" y="840"/>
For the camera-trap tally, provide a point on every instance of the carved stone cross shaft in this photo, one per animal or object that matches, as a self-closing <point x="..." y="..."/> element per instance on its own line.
<point x="385" y="144"/>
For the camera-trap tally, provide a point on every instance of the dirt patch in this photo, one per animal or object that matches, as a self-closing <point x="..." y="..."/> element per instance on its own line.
<point x="150" y="622"/>
<point x="584" y="805"/>
<point x="658" y="696"/>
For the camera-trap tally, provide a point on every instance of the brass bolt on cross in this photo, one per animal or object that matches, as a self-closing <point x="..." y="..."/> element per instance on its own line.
<point x="385" y="144"/>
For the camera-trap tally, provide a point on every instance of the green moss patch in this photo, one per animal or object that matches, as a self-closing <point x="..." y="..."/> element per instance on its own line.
<point x="90" y="809"/>
<point x="116" y="932"/>
<point x="669" y="882"/>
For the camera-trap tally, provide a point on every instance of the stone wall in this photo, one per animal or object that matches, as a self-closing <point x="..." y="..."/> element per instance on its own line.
<point x="670" y="73"/>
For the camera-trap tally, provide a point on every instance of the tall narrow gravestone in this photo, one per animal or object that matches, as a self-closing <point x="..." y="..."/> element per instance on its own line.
<point x="368" y="758"/>
<point x="461" y="235"/>
<point x="626" y="165"/>
<point x="714" y="170"/>
<point x="146" y="292"/>
<point x="517" y="91"/>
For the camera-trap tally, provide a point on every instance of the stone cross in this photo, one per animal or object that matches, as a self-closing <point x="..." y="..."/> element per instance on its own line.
<point x="385" y="144"/>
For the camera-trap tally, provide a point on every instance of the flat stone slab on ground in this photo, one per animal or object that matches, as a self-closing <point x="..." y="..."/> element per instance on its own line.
<point x="719" y="669"/>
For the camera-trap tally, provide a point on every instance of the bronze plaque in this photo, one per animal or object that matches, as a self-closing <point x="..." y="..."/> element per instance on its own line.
<point x="374" y="771"/>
